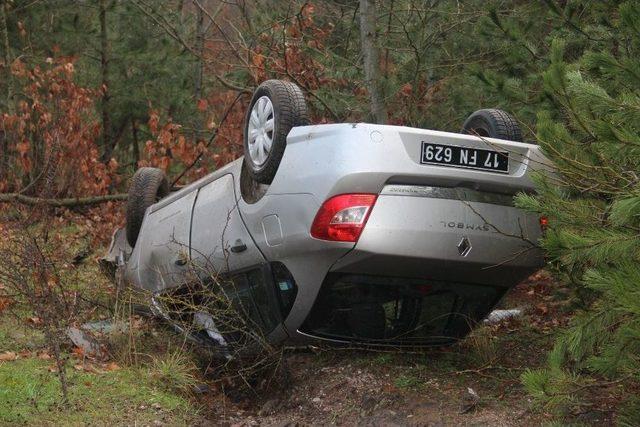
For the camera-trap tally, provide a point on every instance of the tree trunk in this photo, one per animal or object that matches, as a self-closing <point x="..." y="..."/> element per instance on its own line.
<point x="370" y="59"/>
<point x="134" y="142"/>
<point x="107" y="140"/>
<point x="6" y="59"/>
<point x="198" y="123"/>
<point x="53" y="338"/>
<point x="6" y="52"/>
<point x="200" y="50"/>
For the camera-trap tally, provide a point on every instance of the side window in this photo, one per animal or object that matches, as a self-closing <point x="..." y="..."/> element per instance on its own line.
<point x="254" y="293"/>
<point x="263" y="295"/>
<point x="286" y="287"/>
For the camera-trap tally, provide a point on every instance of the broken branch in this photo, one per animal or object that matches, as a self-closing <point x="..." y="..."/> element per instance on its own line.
<point x="70" y="202"/>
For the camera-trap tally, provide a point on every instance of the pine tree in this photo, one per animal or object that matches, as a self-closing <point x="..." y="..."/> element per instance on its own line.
<point x="145" y="67"/>
<point x="593" y="206"/>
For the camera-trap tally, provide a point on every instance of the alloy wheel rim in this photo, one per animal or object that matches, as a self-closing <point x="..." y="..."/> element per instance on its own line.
<point x="260" y="131"/>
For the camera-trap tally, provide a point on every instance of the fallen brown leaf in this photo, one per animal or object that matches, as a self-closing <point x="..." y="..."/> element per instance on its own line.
<point x="86" y="367"/>
<point x="34" y="320"/>
<point x="8" y="356"/>
<point x="78" y="352"/>
<point x="112" y="366"/>
<point x="5" y="302"/>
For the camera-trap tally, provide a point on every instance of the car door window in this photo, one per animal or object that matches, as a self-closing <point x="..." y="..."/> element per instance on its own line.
<point x="254" y="295"/>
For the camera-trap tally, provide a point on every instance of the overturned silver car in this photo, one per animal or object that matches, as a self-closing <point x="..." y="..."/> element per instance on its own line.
<point x="351" y="233"/>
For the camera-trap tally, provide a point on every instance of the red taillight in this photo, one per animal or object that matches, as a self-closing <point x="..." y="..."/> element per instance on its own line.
<point x="544" y="223"/>
<point x="342" y="218"/>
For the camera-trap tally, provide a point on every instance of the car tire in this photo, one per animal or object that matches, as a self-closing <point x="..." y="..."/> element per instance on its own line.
<point x="493" y="123"/>
<point x="275" y="108"/>
<point x="148" y="185"/>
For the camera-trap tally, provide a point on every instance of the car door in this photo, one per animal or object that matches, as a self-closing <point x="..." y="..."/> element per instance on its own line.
<point x="161" y="254"/>
<point x="220" y="242"/>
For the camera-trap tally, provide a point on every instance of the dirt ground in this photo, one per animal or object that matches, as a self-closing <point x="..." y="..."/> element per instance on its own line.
<point x="343" y="394"/>
<point x="352" y="387"/>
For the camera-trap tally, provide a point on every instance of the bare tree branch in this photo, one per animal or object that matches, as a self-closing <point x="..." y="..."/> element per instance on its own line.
<point x="70" y="202"/>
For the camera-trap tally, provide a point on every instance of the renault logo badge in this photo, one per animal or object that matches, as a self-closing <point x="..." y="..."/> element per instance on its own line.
<point x="464" y="247"/>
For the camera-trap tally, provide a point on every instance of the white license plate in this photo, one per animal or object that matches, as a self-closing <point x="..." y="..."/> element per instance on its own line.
<point x="464" y="157"/>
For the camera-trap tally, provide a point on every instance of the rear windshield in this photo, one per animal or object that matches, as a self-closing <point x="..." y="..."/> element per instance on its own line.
<point x="398" y="311"/>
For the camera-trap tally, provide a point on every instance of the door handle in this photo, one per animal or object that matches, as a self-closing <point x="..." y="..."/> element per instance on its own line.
<point x="238" y="247"/>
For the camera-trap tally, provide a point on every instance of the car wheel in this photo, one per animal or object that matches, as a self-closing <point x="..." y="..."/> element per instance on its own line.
<point x="148" y="185"/>
<point x="276" y="107"/>
<point x="493" y="123"/>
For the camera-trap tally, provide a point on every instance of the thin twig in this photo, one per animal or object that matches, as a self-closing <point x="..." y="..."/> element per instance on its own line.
<point x="211" y="139"/>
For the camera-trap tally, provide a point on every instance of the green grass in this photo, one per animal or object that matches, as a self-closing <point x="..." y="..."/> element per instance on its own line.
<point x="30" y="394"/>
<point x="383" y="359"/>
<point x="132" y="395"/>
<point x="17" y="336"/>
<point x="174" y="371"/>
<point x="407" y="381"/>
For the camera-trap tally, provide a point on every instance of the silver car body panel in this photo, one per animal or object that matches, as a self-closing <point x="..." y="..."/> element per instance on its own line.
<point x="421" y="216"/>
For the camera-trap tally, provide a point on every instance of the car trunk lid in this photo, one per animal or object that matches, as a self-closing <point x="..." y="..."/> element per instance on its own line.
<point x="447" y="234"/>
